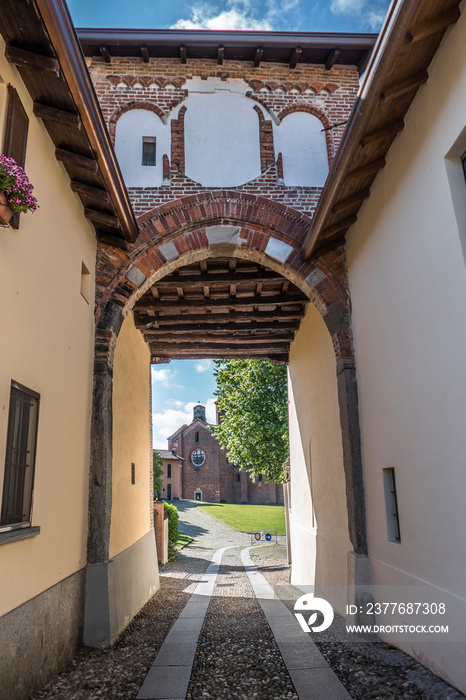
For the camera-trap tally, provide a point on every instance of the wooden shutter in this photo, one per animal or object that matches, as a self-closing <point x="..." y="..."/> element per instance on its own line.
<point x="17" y="124"/>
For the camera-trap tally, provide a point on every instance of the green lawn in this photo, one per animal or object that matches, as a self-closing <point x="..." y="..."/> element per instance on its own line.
<point x="183" y="541"/>
<point x="248" y="518"/>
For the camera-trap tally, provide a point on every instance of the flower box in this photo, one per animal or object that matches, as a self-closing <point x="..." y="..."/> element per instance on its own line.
<point x="6" y="212"/>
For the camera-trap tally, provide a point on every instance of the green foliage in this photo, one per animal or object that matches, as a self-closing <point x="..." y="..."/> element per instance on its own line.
<point x="252" y="398"/>
<point x="157" y="461"/>
<point x="246" y="518"/>
<point x="172" y="528"/>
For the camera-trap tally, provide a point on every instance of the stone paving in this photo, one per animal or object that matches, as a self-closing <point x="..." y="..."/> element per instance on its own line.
<point x="236" y="642"/>
<point x="238" y="645"/>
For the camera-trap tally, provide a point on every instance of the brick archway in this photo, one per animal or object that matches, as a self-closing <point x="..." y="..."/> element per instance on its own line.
<point x="228" y="224"/>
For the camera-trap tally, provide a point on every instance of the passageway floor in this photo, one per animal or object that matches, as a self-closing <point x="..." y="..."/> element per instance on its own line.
<point x="232" y="650"/>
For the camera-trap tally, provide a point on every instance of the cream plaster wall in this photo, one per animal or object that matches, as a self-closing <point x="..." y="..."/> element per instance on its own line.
<point x="46" y="344"/>
<point x="319" y="529"/>
<point x="131" y="439"/>
<point x="408" y="287"/>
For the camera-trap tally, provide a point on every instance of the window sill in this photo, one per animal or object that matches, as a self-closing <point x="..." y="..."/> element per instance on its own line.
<point x="20" y="534"/>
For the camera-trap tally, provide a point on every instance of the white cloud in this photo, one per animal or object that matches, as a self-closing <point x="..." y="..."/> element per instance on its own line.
<point x="203" y="365"/>
<point x="240" y="15"/>
<point x="371" y="12"/>
<point x="164" y="377"/>
<point x="165" y="423"/>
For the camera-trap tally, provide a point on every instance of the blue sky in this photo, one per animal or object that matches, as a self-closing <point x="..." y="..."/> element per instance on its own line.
<point x="176" y="389"/>
<point x="278" y="15"/>
<point x="178" y="386"/>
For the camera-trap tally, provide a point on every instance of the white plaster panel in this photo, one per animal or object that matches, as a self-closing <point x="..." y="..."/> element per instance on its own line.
<point x="130" y="129"/>
<point x="279" y="250"/>
<point x="301" y="141"/>
<point x="221" y="138"/>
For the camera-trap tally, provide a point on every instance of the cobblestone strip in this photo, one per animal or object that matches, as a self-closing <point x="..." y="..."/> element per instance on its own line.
<point x="310" y="673"/>
<point x="237" y="657"/>
<point x="169" y="675"/>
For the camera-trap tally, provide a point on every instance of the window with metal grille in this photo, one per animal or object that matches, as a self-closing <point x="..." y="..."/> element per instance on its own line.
<point x="169" y="471"/>
<point x="18" y="480"/>
<point x="391" y="505"/>
<point x="148" y="150"/>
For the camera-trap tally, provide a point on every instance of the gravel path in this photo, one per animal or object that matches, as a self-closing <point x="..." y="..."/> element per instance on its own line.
<point x="117" y="673"/>
<point x="237" y="657"/>
<point x="372" y="670"/>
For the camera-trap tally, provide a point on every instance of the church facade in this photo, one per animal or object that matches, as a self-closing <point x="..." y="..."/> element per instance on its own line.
<point x="206" y="474"/>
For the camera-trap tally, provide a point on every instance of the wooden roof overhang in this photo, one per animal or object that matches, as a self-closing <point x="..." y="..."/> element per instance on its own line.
<point x="398" y="66"/>
<point x="220" y="308"/>
<point x="282" y="47"/>
<point x="41" y="41"/>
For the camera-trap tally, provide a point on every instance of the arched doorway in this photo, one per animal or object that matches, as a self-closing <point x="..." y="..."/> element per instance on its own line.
<point x="225" y="267"/>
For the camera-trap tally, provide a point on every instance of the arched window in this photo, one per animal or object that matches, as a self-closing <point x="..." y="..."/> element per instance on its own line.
<point x="302" y="143"/>
<point x="141" y="140"/>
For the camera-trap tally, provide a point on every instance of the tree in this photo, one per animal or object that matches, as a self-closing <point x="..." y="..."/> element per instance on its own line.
<point x="252" y="399"/>
<point x="157" y="461"/>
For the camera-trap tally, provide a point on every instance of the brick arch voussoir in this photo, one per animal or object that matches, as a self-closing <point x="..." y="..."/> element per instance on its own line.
<point x="222" y="206"/>
<point x="128" y="107"/>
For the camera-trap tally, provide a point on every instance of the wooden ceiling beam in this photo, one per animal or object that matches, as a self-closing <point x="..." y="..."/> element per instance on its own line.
<point x="332" y="58"/>
<point x="220" y="55"/>
<point x="145" y="54"/>
<point x="114" y="241"/>
<point x="340" y="226"/>
<point x="218" y="339"/>
<point x="101" y="217"/>
<point x="258" y="56"/>
<point x="352" y="201"/>
<point x="385" y="132"/>
<point x="410" y="83"/>
<point x="29" y="59"/>
<point x="183" y="54"/>
<point x="259" y="349"/>
<point x="182" y="328"/>
<point x="58" y="116"/>
<point x="437" y="24"/>
<point x="85" y="190"/>
<point x="105" y="53"/>
<point x="295" y="57"/>
<point x="276" y="300"/>
<point x="234" y="317"/>
<point x="70" y="159"/>
<point x="217" y="280"/>
<point x="366" y="170"/>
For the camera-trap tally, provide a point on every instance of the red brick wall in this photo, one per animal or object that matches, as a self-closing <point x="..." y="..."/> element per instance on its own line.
<point x="207" y="476"/>
<point x="159" y="85"/>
